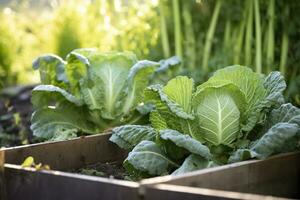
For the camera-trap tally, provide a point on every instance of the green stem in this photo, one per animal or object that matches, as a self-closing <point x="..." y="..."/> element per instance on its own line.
<point x="249" y="35"/>
<point x="284" y="44"/>
<point x="210" y="35"/>
<point x="270" y="37"/>
<point x="177" y="27"/>
<point x="284" y="53"/>
<point x="164" y="31"/>
<point x="190" y="47"/>
<point x="227" y="35"/>
<point x="238" y="46"/>
<point x="258" y="37"/>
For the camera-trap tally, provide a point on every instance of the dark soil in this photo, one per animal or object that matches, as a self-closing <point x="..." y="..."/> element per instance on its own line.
<point x="113" y="170"/>
<point x="15" y="113"/>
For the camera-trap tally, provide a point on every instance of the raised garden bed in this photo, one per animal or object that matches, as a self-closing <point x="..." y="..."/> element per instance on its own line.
<point x="278" y="176"/>
<point x="66" y="156"/>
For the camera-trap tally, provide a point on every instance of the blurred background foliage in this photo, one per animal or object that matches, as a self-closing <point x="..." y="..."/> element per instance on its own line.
<point x="205" y="34"/>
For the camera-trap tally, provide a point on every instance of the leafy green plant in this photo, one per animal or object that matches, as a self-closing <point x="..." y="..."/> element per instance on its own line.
<point x="236" y="115"/>
<point x="90" y="92"/>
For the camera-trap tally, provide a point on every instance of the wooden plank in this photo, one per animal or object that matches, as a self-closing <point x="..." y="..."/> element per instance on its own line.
<point x="277" y="176"/>
<point x="71" y="154"/>
<point x="174" y="192"/>
<point x="48" y="185"/>
<point x="2" y="177"/>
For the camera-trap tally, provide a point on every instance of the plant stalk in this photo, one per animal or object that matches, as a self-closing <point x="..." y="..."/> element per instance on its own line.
<point x="270" y="36"/>
<point x="257" y="37"/>
<point x="210" y="35"/>
<point x="284" y="44"/>
<point x="177" y="27"/>
<point x="240" y="37"/>
<point x="164" y="30"/>
<point x="249" y="35"/>
<point x="190" y="44"/>
<point x="284" y="53"/>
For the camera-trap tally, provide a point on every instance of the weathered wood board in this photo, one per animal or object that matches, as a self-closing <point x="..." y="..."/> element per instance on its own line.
<point x="278" y="176"/>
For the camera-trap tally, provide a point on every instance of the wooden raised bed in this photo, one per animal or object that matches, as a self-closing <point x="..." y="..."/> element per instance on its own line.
<point x="26" y="183"/>
<point x="277" y="176"/>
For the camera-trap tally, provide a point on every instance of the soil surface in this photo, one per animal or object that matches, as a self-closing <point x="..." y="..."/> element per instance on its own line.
<point x="15" y="113"/>
<point x="113" y="170"/>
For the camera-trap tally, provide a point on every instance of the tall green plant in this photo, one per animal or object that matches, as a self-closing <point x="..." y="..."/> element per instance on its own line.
<point x="258" y="63"/>
<point x="270" y="36"/>
<point x="284" y="45"/>
<point x="177" y="28"/>
<point x="210" y="35"/>
<point x="249" y="34"/>
<point x="164" y="30"/>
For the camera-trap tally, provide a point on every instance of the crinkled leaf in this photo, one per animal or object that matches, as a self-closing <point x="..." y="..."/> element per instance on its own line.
<point x="186" y="142"/>
<point x="138" y="79"/>
<point x="50" y="122"/>
<point x="176" y="109"/>
<point x="51" y="68"/>
<point x="91" y="94"/>
<point x="47" y="95"/>
<point x="157" y="122"/>
<point x="275" y="139"/>
<point x="168" y="110"/>
<point x="168" y="68"/>
<point x="193" y="163"/>
<point x="128" y="136"/>
<point x="168" y="63"/>
<point x="285" y="113"/>
<point x="274" y="84"/>
<point x="76" y="70"/>
<point x="148" y="157"/>
<point x="180" y="90"/>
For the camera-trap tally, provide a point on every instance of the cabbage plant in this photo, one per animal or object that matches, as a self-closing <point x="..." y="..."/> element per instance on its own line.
<point x="91" y="91"/>
<point x="236" y="115"/>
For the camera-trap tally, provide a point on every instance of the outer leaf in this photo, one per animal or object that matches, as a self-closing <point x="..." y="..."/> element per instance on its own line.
<point x="168" y="69"/>
<point x="169" y="111"/>
<point x="109" y="77"/>
<point x="138" y="79"/>
<point x="163" y="104"/>
<point x="91" y="94"/>
<point x="186" y="142"/>
<point x="275" y="139"/>
<point x="129" y="136"/>
<point x="173" y="110"/>
<point x="76" y="70"/>
<point x="47" y="95"/>
<point x="49" y="122"/>
<point x="242" y="154"/>
<point x="275" y="85"/>
<point x="148" y="157"/>
<point x="166" y="64"/>
<point x="52" y="69"/>
<point x="285" y="113"/>
<point x="157" y="122"/>
<point x="193" y="163"/>
<point x="180" y="90"/>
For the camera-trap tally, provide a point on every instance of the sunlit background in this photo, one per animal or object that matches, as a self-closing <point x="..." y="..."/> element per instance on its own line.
<point x="206" y="34"/>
